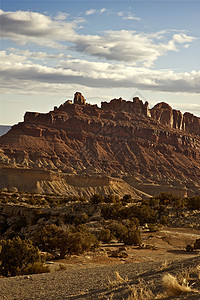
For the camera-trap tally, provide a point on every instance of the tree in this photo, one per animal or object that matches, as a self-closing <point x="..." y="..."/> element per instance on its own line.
<point x="111" y="198"/>
<point x="132" y="237"/>
<point x="193" y="203"/>
<point x="96" y="199"/>
<point x="51" y="238"/>
<point x="16" y="255"/>
<point x="127" y="199"/>
<point x="129" y="235"/>
<point x="74" y="240"/>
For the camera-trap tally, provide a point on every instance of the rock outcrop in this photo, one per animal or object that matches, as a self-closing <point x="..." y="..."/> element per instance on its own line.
<point x="158" y="147"/>
<point x="175" y="119"/>
<point x="79" y="99"/>
<point x="135" y="107"/>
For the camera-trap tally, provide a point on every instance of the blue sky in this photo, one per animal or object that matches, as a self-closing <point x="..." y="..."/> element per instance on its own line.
<point x="104" y="49"/>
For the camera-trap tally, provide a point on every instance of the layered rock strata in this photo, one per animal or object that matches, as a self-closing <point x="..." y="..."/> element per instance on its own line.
<point x="158" y="146"/>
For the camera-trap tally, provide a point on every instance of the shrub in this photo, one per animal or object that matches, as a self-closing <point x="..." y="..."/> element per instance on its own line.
<point x="16" y="255"/>
<point x="50" y="238"/>
<point x="154" y="202"/>
<point x="54" y="239"/>
<point x="117" y="229"/>
<point x="193" y="203"/>
<point x="134" y="222"/>
<point x="20" y="223"/>
<point x="111" y="212"/>
<point x="111" y="198"/>
<point x="145" y="214"/>
<point x="129" y="235"/>
<point x="132" y="237"/>
<point x="3" y="226"/>
<point x="164" y="220"/>
<point x="197" y="244"/>
<point x="96" y="199"/>
<point x="80" y="219"/>
<point x="127" y="199"/>
<point x="88" y="240"/>
<point x="105" y="235"/>
<point x="189" y="248"/>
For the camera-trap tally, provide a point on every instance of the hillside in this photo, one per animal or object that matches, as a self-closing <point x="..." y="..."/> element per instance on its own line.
<point x="80" y="148"/>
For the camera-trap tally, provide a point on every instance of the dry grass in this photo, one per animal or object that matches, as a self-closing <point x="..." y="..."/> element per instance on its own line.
<point x="141" y="293"/>
<point x="177" y="285"/>
<point x="164" y="265"/>
<point x="118" y="281"/>
<point x="174" y="285"/>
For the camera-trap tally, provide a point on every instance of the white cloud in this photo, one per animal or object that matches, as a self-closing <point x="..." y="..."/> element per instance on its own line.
<point x="61" y="16"/>
<point x="24" y="27"/>
<point x="95" y="11"/>
<point x="183" y="38"/>
<point x="103" y="10"/>
<point x="129" y="54"/>
<point x="122" y="45"/>
<point x="90" y="12"/>
<point x="128" y="16"/>
<point x="18" y="73"/>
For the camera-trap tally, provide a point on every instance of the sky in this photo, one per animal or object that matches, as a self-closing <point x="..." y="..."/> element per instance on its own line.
<point x="103" y="49"/>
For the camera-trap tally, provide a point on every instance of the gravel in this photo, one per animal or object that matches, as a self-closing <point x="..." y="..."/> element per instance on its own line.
<point x="87" y="282"/>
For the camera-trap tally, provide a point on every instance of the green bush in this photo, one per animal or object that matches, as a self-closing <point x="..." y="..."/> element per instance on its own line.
<point x="20" y="223"/>
<point x="105" y="235"/>
<point x="3" y="226"/>
<point x="127" y="199"/>
<point x="112" y="211"/>
<point x="143" y="213"/>
<point x="80" y="219"/>
<point x="117" y="229"/>
<point x="111" y="198"/>
<point x="75" y="240"/>
<point x="193" y="203"/>
<point x="129" y="235"/>
<point x="164" y="220"/>
<point x="132" y="237"/>
<point x="96" y="199"/>
<point x="197" y="244"/>
<point x="16" y="255"/>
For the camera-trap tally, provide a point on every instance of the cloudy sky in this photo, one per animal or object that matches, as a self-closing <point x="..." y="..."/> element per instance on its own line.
<point x="104" y="49"/>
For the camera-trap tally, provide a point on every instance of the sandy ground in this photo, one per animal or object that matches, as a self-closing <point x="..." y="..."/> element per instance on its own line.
<point x="93" y="276"/>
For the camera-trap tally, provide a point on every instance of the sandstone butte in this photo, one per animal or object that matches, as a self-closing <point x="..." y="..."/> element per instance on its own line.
<point x="123" y="148"/>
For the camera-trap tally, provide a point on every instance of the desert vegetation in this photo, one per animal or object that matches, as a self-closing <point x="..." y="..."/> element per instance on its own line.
<point x="64" y="226"/>
<point x="19" y="257"/>
<point x="181" y="283"/>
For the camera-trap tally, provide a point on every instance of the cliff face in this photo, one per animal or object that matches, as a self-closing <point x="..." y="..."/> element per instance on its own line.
<point x="175" y="119"/>
<point x="135" y="107"/>
<point x="120" y="139"/>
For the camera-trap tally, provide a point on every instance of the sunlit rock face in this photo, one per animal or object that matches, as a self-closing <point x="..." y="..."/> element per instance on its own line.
<point x="122" y="139"/>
